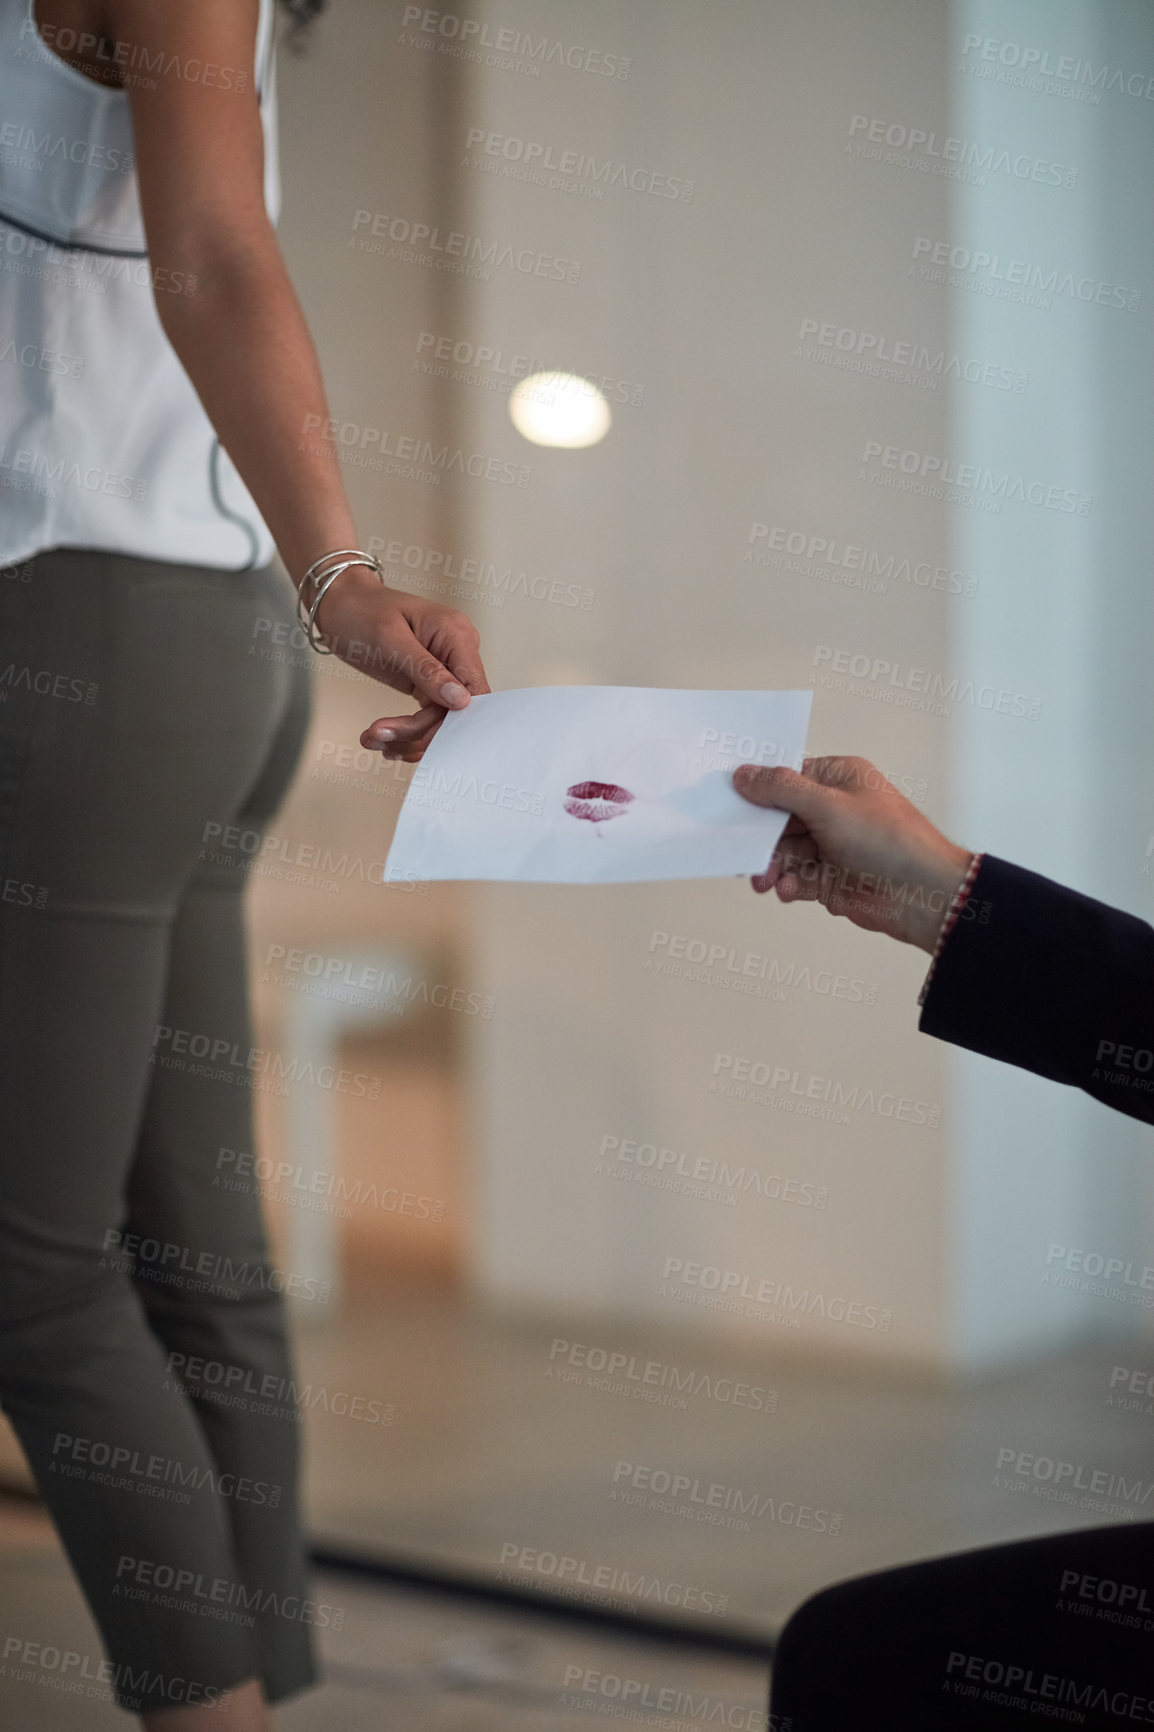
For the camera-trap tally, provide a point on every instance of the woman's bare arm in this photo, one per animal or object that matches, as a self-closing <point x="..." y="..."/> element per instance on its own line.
<point x="243" y="341"/>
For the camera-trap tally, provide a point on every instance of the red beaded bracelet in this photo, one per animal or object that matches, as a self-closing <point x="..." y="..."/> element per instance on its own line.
<point x="950" y="920"/>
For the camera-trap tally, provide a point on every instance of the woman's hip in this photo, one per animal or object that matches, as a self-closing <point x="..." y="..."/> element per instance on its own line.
<point x="139" y="706"/>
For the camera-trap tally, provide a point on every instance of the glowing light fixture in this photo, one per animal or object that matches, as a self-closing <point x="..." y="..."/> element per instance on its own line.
<point x="560" y="409"/>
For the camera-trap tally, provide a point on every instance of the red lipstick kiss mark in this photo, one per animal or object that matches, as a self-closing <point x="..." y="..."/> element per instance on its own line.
<point x="596" y="801"/>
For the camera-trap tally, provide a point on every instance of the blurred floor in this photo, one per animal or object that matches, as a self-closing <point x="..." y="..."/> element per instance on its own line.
<point x="455" y="1439"/>
<point x="401" y="1659"/>
<point x="498" y="1440"/>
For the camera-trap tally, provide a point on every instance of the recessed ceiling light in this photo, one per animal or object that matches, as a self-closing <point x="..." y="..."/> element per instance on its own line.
<point x="560" y="409"/>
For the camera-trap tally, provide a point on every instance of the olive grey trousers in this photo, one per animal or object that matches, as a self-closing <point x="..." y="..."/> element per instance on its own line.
<point x="139" y="709"/>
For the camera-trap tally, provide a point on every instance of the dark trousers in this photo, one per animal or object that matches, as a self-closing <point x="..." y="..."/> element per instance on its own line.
<point x="1056" y="1631"/>
<point x="137" y="713"/>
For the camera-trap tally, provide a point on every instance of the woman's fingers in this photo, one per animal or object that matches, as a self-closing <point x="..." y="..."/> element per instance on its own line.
<point x="451" y="648"/>
<point x="420" y="648"/>
<point x="462" y="654"/>
<point x="432" y="680"/>
<point x="449" y="687"/>
<point x="398" y="656"/>
<point x="397" y="736"/>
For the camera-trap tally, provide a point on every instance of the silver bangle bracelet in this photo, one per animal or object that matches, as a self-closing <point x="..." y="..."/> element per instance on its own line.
<point x="322" y="574"/>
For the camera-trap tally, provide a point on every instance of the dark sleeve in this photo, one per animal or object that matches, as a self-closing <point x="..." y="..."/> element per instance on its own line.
<point x="1042" y="977"/>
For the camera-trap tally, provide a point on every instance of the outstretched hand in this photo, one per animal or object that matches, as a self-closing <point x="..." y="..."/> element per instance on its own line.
<point x="416" y="646"/>
<point x="857" y="846"/>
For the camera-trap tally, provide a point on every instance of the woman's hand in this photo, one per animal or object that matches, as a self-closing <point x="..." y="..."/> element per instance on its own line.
<point x="858" y="846"/>
<point x="416" y="646"/>
<point x="243" y="341"/>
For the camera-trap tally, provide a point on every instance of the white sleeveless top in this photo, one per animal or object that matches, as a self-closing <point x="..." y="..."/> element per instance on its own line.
<point x="103" y="441"/>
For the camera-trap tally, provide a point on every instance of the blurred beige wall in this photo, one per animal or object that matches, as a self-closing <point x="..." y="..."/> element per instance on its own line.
<point x="362" y="126"/>
<point x="814" y="139"/>
<point x="701" y="300"/>
<point x="720" y="322"/>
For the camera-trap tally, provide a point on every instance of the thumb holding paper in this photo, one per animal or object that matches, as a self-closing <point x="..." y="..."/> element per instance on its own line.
<point x="432" y="652"/>
<point x="857" y="845"/>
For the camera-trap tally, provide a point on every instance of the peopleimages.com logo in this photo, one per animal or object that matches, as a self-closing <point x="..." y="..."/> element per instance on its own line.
<point x="1014" y="1685"/>
<point x="461" y="254"/>
<point x="668" y="1492"/>
<point x="568" y="1574"/>
<point x="956" y="158"/>
<point x="1098" y="1489"/>
<point x="1040" y="63"/>
<point x="937" y="471"/>
<point x="826" y="1090"/>
<point x="618" y="1371"/>
<point x="1139" y="1388"/>
<point x="748" y="1294"/>
<point x="867" y="566"/>
<point x="880" y="355"/>
<point x="508" y="48"/>
<point x="540" y="158"/>
<point x="1008" y="278"/>
<point x="889" y="682"/>
<point x="625" y="1698"/>
<point x="701" y="1176"/>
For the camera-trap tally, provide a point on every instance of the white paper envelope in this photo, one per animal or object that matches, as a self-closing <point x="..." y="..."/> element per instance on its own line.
<point x="597" y="785"/>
